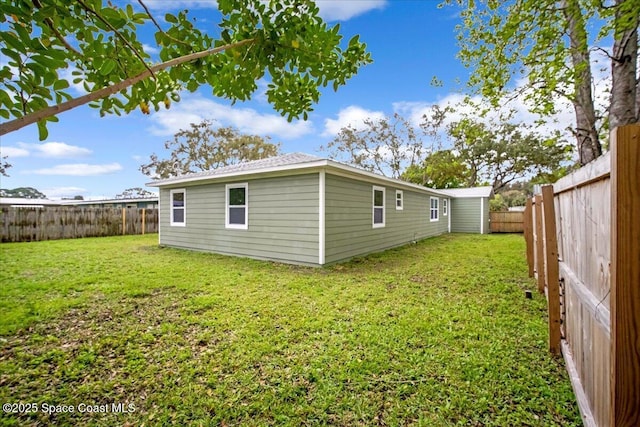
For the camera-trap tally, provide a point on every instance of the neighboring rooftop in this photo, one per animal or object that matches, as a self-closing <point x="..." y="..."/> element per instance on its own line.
<point x="17" y="201"/>
<point x="99" y="201"/>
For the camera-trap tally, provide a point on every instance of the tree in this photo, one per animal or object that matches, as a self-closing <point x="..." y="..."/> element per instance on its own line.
<point x="492" y="150"/>
<point x="514" y="197"/>
<point x="4" y="165"/>
<point x="22" y="193"/>
<point x="136" y="193"/>
<point x="549" y="43"/>
<point x="386" y="146"/>
<point x="498" y="204"/>
<point x="502" y="152"/>
<point x="441" y="169"/>
<point x="285" y="40"/>
<point x="202" y="147"/>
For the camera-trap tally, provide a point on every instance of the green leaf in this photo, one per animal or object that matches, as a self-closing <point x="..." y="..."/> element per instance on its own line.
<point x="108" y="66"/>
<point x="12" y="41"/>
<point x="60" y="85"/>
<point x="43" y="132"/>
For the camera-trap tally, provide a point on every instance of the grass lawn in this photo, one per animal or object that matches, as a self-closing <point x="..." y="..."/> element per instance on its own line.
<point x="433" y="334"/>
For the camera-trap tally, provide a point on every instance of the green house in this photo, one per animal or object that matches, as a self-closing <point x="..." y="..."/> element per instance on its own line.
<point x="298" y="209"/>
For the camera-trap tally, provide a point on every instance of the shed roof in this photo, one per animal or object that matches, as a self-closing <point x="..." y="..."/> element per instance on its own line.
<point x="485" y="191"/>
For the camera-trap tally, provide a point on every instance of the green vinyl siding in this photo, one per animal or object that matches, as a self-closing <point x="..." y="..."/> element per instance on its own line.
<point x="282" y="224"/>
<point x="466" y="216"/>
<point x="349" y="219"/>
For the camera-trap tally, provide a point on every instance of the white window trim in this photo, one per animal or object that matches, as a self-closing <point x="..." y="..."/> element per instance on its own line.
<point x="228" y="187"/>
<point x="373" y="206"/>
<point x="401" y="207"/>
<point x="437" y="210"/>
<point x="184" y="207"/>
<point x="445" y="207"/>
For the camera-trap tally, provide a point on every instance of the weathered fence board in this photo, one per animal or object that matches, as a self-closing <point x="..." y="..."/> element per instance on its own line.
<point x="506" y="222"/>
<point x="598" y="237"/>
<point x="52" y="223"/>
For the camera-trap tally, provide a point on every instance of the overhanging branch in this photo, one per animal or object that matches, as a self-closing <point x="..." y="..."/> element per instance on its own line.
<point x="53" y="110"/>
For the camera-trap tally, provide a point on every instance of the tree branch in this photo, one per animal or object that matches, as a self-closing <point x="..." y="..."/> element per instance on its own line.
<point x="604" y="51"/>
<point x="55" y="31"/>
<point x="117" y="33"/>
<point x="146" y="9"/>
<point x="36" y="116"/>
<point x="59" y="36"/>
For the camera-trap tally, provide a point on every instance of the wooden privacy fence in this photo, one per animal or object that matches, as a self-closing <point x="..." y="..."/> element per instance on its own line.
<point x="583" y="246"/>
<point x="51" y="223"/>
<point x="506" y="222"/>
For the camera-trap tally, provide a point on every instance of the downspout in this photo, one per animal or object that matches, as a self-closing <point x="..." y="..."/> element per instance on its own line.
<point x="449" y="210"/>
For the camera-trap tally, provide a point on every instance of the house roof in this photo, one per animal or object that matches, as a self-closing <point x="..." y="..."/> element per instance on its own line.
<point x="284" y="164"/>
<point x="262" y="165"/>
<point x="485" y="191"/>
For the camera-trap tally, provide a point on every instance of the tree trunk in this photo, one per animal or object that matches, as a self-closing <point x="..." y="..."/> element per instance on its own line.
<point x="586" y="133"/>
<point x="625" y="100"/>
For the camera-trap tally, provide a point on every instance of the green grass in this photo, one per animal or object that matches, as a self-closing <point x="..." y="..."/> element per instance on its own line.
<point x="433" y="334"/>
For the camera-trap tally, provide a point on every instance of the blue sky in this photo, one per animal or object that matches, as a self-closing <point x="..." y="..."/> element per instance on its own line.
<point x="411" y="41"/>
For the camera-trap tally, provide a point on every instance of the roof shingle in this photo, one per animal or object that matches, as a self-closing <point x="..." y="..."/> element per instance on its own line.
<point x="254" y="165"/>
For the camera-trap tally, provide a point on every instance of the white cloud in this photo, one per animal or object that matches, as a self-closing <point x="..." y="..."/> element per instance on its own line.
<point x="352" y="115"/>
<point x="151" y="50"/>
<point x="13" y="152"/>
<point x="78" y="169"/>
<point x="414" y="112"/>
<point x="194" y="109"/>
<point x="333" y="10"/>
<point x="56" y="150"/>
<point x="59" y="150"/>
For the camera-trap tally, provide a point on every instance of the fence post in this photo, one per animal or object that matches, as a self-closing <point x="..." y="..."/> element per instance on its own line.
<point x="553" y="275"/>
<point x="539" y="244"/>
<point x="124" y="221"/>
<point x="528" y="234"/>
<point x="625" y="276"/>
<point x="144" y="215"/>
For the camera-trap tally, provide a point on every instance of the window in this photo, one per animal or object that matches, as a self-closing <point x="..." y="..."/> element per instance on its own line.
<point x="178" y="207"/>
<point x="434" y="208"/>
<point x="378" y="206"/>
<point x="237" y="209"/>
<point x="445" y="207"/>
<point x="399" y="200"/>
